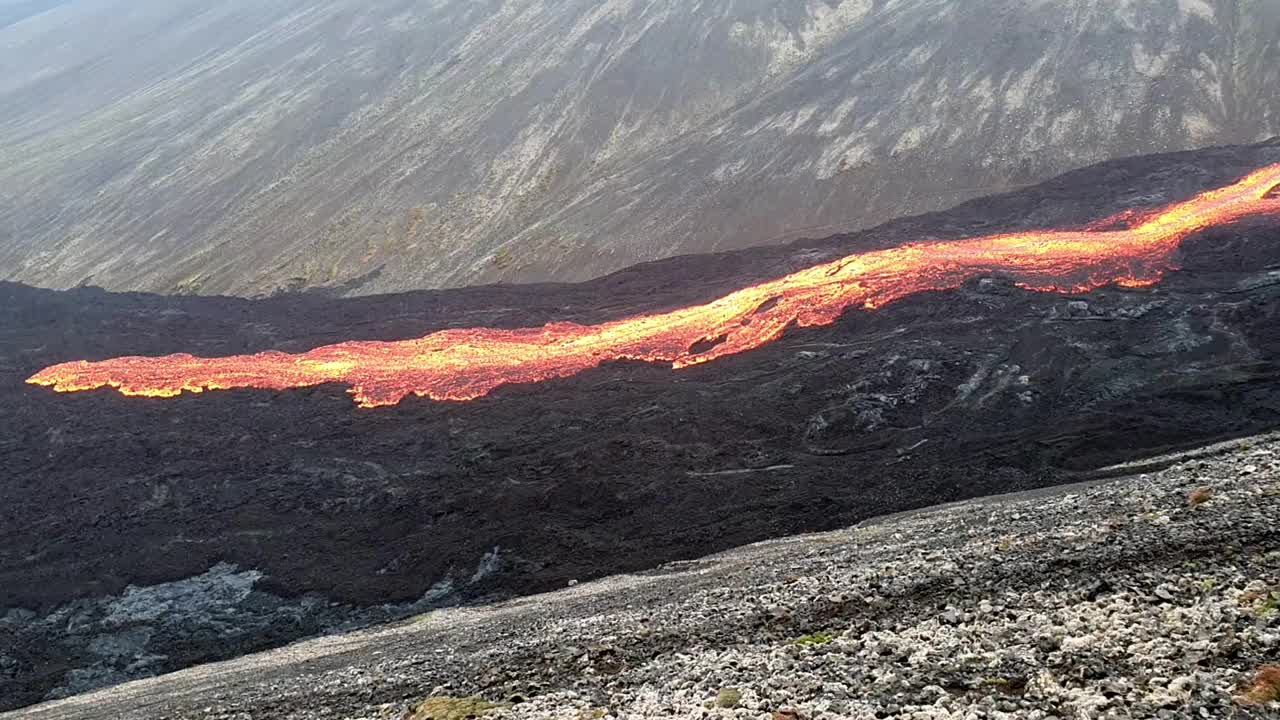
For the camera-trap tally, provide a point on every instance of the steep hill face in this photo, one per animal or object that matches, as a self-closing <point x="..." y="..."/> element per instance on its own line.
<point x="247" y="146"/>
<point x="139" y="535"/>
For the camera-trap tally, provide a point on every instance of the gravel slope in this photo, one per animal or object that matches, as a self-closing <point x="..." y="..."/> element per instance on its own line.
<point x="1116" y="598"/>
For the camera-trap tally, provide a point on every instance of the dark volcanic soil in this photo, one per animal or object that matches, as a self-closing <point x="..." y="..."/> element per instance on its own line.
<point x="942" y="396"/>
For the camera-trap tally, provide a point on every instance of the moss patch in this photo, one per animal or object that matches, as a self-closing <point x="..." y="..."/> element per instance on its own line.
<point x="818" y="638"/>
<point x="451" y="708"/>
<point x="1265" y="687"/>
<point x="728" y="698"/>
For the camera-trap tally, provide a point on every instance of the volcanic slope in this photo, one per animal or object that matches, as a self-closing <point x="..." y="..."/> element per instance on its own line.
<point x="250" y="145"/>
<point x="140" y="535"/>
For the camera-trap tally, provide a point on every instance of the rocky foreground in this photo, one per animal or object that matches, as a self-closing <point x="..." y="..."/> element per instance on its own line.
<point x="1152" y="591"/>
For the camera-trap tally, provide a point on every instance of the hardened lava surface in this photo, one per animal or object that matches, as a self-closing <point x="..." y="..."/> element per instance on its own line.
<point x="980" y="387"/>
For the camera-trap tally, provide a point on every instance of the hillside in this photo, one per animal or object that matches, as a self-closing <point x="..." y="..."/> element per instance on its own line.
<point x="140" y="535"/>
<point x="248" y="146"/>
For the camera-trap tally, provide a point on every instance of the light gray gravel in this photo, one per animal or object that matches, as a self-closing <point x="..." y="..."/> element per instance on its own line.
<point x="1111" y="599"/>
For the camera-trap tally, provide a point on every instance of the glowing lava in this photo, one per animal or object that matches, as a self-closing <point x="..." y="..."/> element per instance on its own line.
<point x="463" y="364"/>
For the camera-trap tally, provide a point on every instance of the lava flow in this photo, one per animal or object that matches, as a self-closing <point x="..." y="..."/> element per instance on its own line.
<point x="464" y="364"/>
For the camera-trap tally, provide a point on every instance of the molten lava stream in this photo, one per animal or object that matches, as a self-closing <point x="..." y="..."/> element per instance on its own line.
<point x="463" y="364"/>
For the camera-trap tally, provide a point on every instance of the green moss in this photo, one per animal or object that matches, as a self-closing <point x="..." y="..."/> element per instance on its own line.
<point x="451" y="708"/>
<point x="1269" y="604"/>
<point x="1013" y="685"/>
<point x="818" y="638"/>
<point x="728" y="698"/>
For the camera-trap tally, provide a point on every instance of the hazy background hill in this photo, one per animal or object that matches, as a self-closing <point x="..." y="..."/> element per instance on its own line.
<point x="248" y="145"/>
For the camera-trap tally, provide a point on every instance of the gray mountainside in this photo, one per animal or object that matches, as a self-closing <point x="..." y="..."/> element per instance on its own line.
<point x="244" y="146"/>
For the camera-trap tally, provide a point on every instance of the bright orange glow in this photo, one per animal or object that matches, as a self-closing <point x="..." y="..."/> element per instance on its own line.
<point x="464" y="364"/>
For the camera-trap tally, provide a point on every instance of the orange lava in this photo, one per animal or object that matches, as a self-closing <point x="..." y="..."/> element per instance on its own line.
<point x="464" y="364"/>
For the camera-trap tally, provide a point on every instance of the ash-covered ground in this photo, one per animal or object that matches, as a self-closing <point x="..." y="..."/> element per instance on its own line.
<point x="139" y="536"/>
